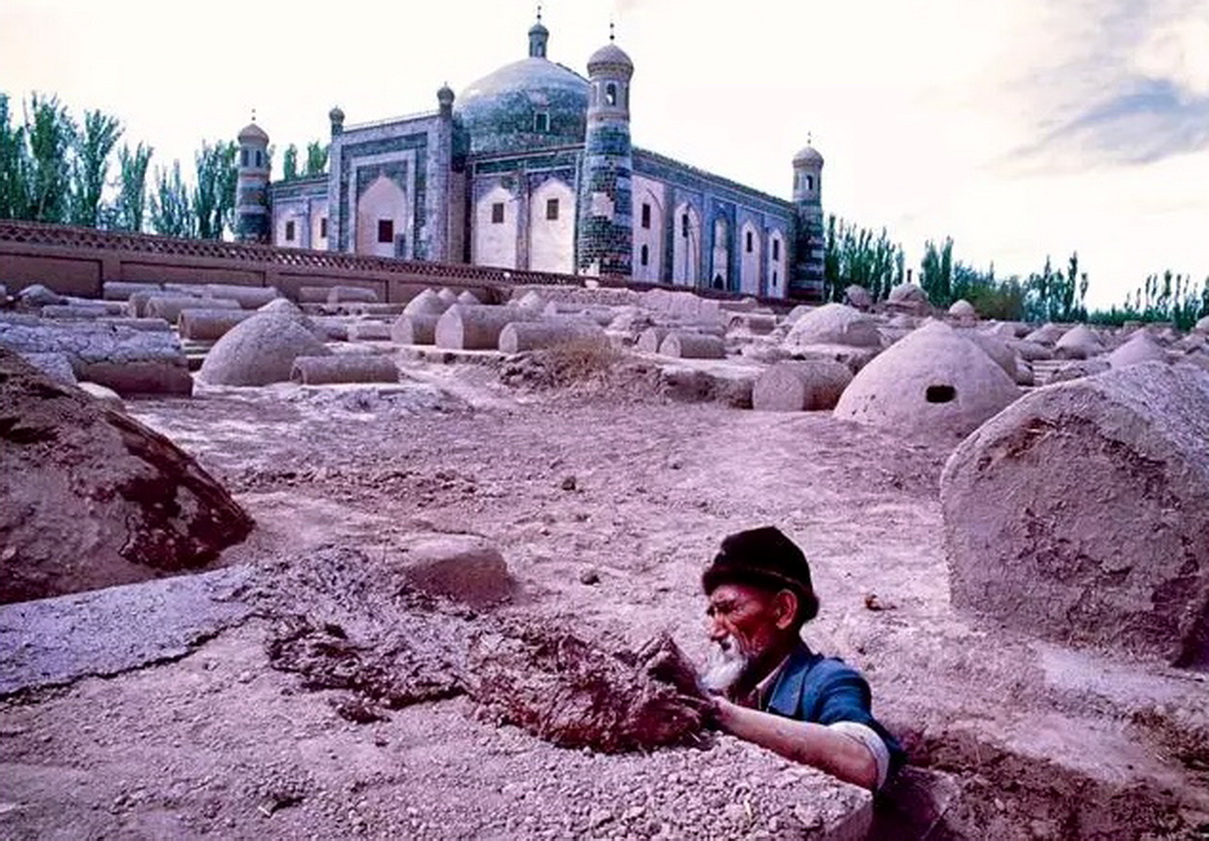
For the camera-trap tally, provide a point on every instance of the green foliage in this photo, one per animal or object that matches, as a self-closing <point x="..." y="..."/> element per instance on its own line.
<point x="171" y="207"/>
<point x="860" y="256"/>
<point x="289" y="163"/>
<point x="214" y="194"/>
<point x="94" y="143"/>
<point x="131" y="202"/>
<point x="14" y="198"/>
<point x="1167" y="297"/>
<point x="1057" y="296"/>
<point x="50" y="135"/>
<point x="316" y="158"/>
<point x="1002" y="300"/>
<point x="936" y="272"/>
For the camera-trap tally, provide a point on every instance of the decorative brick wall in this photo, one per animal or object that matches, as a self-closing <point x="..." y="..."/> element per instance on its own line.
<point x="77" y="261"/>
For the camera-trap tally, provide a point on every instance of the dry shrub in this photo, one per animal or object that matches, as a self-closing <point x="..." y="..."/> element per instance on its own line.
<point x="566" y="364"/>
<point x="579" y="360"/>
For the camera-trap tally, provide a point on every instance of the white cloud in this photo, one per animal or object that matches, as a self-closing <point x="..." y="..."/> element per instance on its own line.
<point x="1178" y="51"/>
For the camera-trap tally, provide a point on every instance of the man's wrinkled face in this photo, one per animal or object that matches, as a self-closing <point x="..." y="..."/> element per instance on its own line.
<point x="743" y="623"/>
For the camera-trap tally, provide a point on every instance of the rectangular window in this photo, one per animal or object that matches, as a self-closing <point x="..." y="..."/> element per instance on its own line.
<point x="776" y="249"/>
<point x="497" y="213"/>
<point x="541" y="122"/>
<point x="323" y="228"/>
<point x="289" y="231"/>
<point x="243" y="157"/>
<point x="646" y="216"/>
<point x="259" y="158"/>
<point x="552" y="209"/>
<point x="749" y="242"/>
<point x="684" y="226"/>
<point x="646" y="255"/>
<point x="386" y="230"/>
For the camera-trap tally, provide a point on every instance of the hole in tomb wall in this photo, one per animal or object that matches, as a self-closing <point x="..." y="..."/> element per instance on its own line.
<point x="940" y="393"/>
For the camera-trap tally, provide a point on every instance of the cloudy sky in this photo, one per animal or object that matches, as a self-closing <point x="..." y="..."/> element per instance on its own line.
<point x="1020" y="128"/>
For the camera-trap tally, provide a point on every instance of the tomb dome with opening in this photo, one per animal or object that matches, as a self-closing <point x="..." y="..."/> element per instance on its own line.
<point x="531" y="103"/>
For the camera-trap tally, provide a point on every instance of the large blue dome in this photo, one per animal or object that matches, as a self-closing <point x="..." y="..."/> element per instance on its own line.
<point x="503" y="112"/>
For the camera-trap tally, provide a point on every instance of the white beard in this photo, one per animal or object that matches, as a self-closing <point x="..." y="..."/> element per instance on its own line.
<point x="725" y="667"/>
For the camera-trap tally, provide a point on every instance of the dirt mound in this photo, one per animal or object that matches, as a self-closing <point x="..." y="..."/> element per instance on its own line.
<point x="835" y="324"/>
<point x="566" y="691"/>
<point x="932" y="384"/>
<point x="963" y="310"/>
<point x="91" y="498"/>
<point x="259" y="351"/>
<point x="1081" y="513"/>
<point x="1141" y="347"/>
<point x="347" y="621"/>
<point x="394" y="672"/>
<point x="908" y="296"/>
<point x="1078" y="343"/>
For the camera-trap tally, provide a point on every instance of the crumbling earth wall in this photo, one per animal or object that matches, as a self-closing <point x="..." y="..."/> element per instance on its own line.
<point x="91" y="498"/>
<point x="1081" y="513"/>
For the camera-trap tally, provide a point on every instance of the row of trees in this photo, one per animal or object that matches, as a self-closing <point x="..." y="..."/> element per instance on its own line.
<point x="315" y="163"/>
<point x="55" y="168"/>
<point x="1167" y="297"/>
<point x="869" y="258"/>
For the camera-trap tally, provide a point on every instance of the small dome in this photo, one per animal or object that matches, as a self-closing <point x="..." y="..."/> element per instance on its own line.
<point x="253" y="133"/>
<point x="336" y="115"/>
<point x="610" y="59"/>
<point x="539" y="28"/>
<point x="809" y="156"/>
<point x="445" y="95"/>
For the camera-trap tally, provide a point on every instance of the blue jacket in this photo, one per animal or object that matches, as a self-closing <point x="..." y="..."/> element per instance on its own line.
<point x="824" y="690"/>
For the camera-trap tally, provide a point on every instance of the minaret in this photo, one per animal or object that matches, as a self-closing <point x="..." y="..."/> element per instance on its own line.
<point x="436" y="242"/>
<point x="809" y="241"/>
<point x="253" y="222"/>
<point x="605" y="238"/>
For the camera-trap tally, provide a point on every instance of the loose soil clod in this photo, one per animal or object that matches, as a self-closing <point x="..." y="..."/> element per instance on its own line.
<point x="576" y="695"/>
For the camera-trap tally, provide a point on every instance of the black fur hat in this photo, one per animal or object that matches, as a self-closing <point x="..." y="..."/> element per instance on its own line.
<point x="764" y="558"/>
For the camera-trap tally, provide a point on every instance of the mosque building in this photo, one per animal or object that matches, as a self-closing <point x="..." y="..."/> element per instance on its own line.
<point x="532" y="167"/>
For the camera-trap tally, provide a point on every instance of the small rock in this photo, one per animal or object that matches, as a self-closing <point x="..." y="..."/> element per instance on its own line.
<point x="589" y="577"/>
<point x="872" y="602"/>
<point x="569" y="483"/>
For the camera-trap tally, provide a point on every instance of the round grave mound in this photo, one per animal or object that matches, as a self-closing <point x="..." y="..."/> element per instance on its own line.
<point x="259" y="351"/>
<point x="1081" y="513"/>
<point x="931" y="384"/>
<point x="1141" y="347"/>
<point x="834" y="324"/>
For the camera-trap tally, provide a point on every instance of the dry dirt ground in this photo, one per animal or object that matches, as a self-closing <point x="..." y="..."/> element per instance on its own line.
<point x="1034" y="741"/>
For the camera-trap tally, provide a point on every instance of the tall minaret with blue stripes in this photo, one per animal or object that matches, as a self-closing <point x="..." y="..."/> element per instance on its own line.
<point x="605" y="235"/>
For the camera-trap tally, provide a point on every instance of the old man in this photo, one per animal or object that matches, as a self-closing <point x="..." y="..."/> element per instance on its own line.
<point x="766" y="685"/>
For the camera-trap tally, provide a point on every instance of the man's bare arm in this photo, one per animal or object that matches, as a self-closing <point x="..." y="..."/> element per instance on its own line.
<point x="811" y="744"/>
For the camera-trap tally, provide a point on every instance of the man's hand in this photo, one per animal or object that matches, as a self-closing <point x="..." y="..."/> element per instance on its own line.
<point x="663" y="660"/>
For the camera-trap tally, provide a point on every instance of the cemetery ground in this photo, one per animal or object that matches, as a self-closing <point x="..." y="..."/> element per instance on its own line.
<point x="605" y="502"/>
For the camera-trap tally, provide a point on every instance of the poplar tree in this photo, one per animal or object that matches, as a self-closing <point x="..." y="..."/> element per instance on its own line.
<point x="131" y="203"/>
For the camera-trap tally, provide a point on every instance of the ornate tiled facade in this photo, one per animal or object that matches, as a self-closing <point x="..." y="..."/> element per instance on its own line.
<point x="532" y="168"/>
